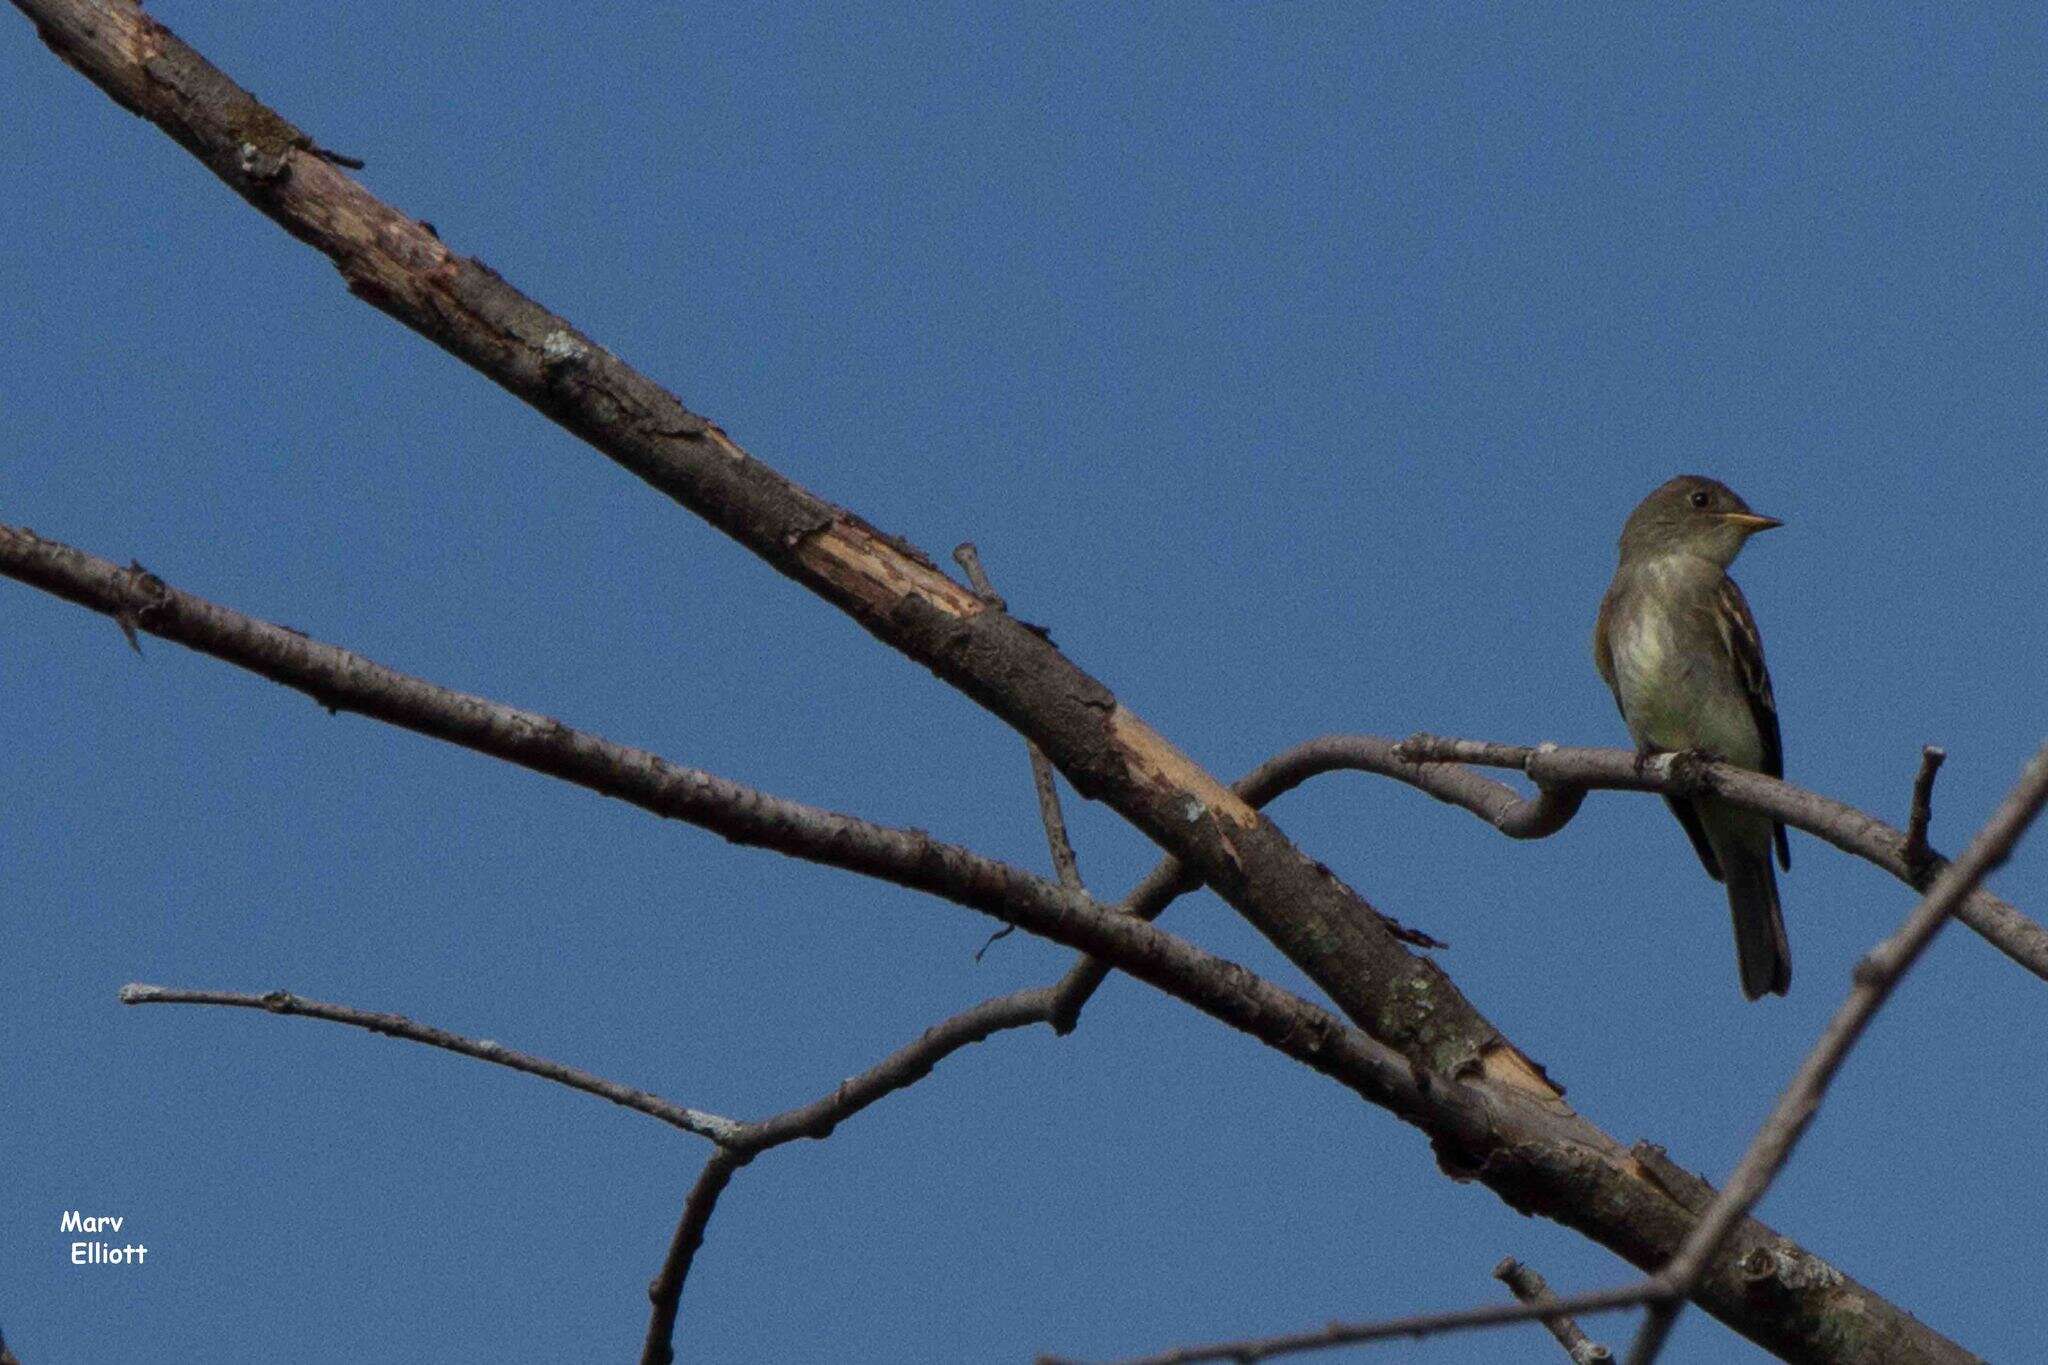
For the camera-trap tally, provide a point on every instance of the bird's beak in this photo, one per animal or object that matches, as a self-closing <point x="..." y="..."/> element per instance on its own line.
<point x="1751" y="523"/>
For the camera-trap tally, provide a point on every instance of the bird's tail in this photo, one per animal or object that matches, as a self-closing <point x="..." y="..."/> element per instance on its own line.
<point x="1760" y="946"/>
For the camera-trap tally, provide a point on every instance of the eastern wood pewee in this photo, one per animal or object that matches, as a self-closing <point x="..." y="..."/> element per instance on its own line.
<point x="1680" y="651"/>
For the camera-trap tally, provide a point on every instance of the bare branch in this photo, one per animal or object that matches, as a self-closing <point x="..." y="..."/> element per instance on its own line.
<point x="892" y="589"/>
<point x="720" y="1130"/>
<point x="1495" y="802"/>
<point x="1049" y="814"/>
<point x="340" y="680"/>
<point x="1389" y="1329"/>
<point x="900" y="1069"/>
<point x="343" y="681"/>
<point x="1065" y="865"/>
<point x="1875" y="977"/>
<point x="2020" y="938"/>
<point x="1529" y="1287"/>
<point x="1919" y="855"/>
<point x="738" y="1142"/>
<point x="1061" y="1005"/>
<point x="1496" y="1116"/>
<point x="1436" y="765"/>
<point x="1535" y="1152"/>
<point x="666" y="1290"/>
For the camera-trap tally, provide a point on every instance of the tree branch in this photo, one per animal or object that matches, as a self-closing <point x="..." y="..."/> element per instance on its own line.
<point x="1336" y="1334"/>
<point x="1533" y="1151"/>
<point x="1528" y="1286"/>
<point x="741" y="1142"/>
<point x="1495" y="802"/>
<point x="1437" y="1060"/>
<point x="1436" y="766"/>
<point x="667" y="1288"/>
<point x="720" y="1130"/>
<point x="1919" y="855"/>
<point x="2020" y="938"/>
<point x="738" y="1143"/>
<point x="892" y="589"/>
<point x="901" y="1069"/>
<point x="343" y="681"/>
<point x="1875" y="978"/>
<point x="1061" y="848"/>
<point x="1064" y="865"/>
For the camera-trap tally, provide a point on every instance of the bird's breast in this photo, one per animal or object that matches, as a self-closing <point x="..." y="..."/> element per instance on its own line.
<point x="1677" y="690"/>
<point x="1653" y="678"/>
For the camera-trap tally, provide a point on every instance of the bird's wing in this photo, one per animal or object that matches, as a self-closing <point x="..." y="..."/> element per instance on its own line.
<point x="1746" y="647"/>
<point x="1603" y="647"/>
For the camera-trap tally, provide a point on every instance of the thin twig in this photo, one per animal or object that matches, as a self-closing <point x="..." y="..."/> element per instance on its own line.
<point x="738" y="1143"/>
<point x="1529" y="1287"/>
<point x="993" y="939"/>
<point x="1874" y="979"/>
<point x="667" y="1287"/>
<point x="1422" y="1325"/>
<point x="1064" y="864"/>
<point x="718" y="1129"/>
<point x="1919" y="856"/>
<point x="904" y="1067"/>
<point x="1063" y="860"/>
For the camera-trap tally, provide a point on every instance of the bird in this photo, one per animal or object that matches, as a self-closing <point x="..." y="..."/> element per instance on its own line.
<point x="1677" y="645"/>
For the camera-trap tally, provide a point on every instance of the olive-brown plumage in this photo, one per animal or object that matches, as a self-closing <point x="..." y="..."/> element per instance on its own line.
<point x="1678" y="647"/>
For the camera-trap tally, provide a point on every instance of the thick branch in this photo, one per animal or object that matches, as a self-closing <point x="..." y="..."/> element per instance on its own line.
<point x="1495" y="802"/>
<point x="891" y="588"/>
<point x="343" y="681"/>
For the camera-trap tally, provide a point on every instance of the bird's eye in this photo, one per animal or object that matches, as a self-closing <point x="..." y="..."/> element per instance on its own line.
<point x="1699" y="499"/>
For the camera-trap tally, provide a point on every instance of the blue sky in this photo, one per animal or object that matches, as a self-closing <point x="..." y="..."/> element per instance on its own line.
<point x="1295" y="365"/>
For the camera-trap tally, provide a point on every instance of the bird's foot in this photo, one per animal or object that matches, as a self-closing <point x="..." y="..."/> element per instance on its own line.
<point x="1685" y="763"/>
<point x="1688" y="770"/>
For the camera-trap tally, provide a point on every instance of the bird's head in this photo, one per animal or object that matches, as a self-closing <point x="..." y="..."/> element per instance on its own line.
<point x="1692" y="515"/>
